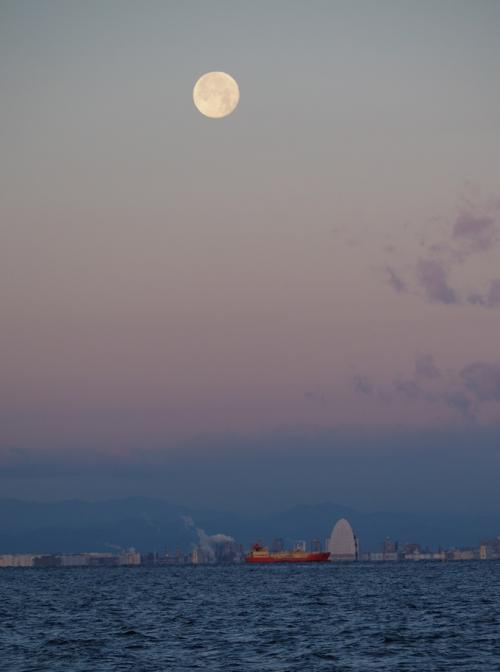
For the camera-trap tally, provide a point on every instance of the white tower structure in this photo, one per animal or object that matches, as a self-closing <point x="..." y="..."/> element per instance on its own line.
<point x="343" y="544"/>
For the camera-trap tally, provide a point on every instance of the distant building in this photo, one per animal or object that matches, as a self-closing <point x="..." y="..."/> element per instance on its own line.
<point x="390" y="549"/>
<point x="490" y="550"/>
<point x="16" y="560"/>
<point x="129" y="557"/>
<point x="463" y="554"/>
<point x="74" y="561"/>
<point x="390" y="546"/>
<point x="201" y="555"/>
<point x="197" y="556"/>
<point x="47" y="561"/>
<point x="101" y="559"/>
<point x="228" y="552"/>
<point x="343" y="544"/>
<point x="149" y="559"/>
<point x="412" y="549"/>
<point x="316" y="546"/>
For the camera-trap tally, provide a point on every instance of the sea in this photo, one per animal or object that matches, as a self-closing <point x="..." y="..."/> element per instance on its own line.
<point x="407" y="616"/>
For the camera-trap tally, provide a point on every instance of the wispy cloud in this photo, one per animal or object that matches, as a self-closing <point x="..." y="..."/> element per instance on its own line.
<point x="363" y="386"/>
<point x="458" y="400"/>
<point x="432" y="277"/>
<point x="482" y="380"/>
<point x="464" y="391"/>
<point x="407" y="389"/>
<point x="472" y="233"/>
<point x="395" y="280"/>
<point x="315" y="396"/>
<point x="490" y="298"/>
<point x="425" y="366"/>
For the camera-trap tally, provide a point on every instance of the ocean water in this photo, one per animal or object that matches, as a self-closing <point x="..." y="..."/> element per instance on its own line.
<point x="404" y="617"/>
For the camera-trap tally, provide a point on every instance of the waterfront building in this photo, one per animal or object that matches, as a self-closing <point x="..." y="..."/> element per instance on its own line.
<point x="464" y="554"/>
<point x="47" y="561"/>
<point x="343" y="544"/>
<point x="390" y="549"/>
<point x="74" y="561"/>
<point x="196" y="556"/>
<point x="490" y="550"/>
<point x="16" y="560"/>
<point x="129" y="557"/>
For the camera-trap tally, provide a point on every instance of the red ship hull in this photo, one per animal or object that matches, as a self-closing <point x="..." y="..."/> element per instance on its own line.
<point x="287" y="557"/>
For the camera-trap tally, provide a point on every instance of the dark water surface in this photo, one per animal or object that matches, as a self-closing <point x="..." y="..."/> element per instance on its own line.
<point x="406" y="616"/>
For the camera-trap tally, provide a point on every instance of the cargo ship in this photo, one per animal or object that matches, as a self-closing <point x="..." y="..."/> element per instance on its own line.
<point x="260" y="554"/>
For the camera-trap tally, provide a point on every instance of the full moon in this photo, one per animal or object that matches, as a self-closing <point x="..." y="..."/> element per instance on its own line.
<point x="216" y="94"/>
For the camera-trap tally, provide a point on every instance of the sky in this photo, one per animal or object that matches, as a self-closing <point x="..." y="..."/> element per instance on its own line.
<point x="324" y="262"/>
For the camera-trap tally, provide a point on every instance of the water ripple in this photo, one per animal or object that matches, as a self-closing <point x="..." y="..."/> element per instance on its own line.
<point x="411" y="617"/>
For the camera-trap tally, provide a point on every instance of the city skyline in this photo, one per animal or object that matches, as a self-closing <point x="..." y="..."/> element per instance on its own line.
<point x="152" y="525"/>
<point x="342" y="546"/>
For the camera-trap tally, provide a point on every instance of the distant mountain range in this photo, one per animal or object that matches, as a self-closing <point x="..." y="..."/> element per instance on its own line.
<point x="155" y="525"/>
